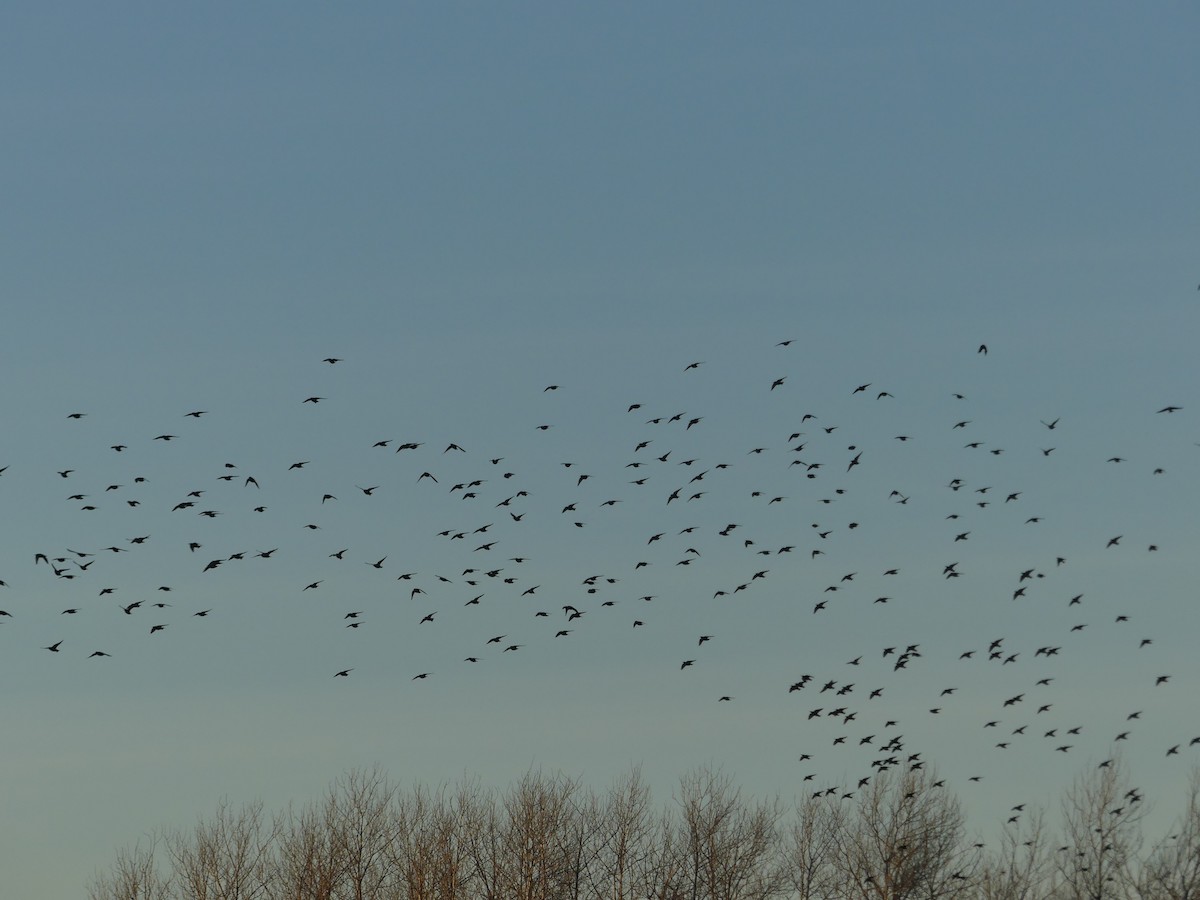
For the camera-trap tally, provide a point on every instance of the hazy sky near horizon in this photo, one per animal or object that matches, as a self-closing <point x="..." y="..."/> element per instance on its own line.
<point x="466" y="204"/>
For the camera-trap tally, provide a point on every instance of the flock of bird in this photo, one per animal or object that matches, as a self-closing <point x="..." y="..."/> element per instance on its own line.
<point x="706" y="516"/>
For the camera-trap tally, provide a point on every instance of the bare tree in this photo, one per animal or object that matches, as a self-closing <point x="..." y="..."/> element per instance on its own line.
<point x="899" y="837"/>
<point x="229" y="857"/>
<point x="1101" y="816"/>
<point x="479" y="825"/>
<point x="537" y="818"/>
<point x="904" y="839"/>
<point x="622" y="837"/>
<point x="1172" y="871"/>
<point x="519" y="846"/>
<point x="362" y="823"/>
<point x="1020" y="868"/>
<point x="582" y="840"/>
<point x="133" y="876"/>
<point x="814" y="837"/>
<point x="309" y="865"/>
<point x="664" y="872"/>
<point x="429" y="856"/>
<point x="729" y="845"/>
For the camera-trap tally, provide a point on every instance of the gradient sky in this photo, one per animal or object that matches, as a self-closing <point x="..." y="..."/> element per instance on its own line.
<point x="468" y="203"/>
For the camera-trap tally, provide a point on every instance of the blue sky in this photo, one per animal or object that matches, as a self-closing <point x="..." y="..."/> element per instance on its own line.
<point x="468" y="204"/>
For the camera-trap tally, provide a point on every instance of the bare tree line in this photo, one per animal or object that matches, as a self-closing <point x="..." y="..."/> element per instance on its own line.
<point x="548" y="837"/>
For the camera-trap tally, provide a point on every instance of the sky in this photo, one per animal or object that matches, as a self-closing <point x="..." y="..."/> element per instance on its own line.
<point x="466" y="205"/>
